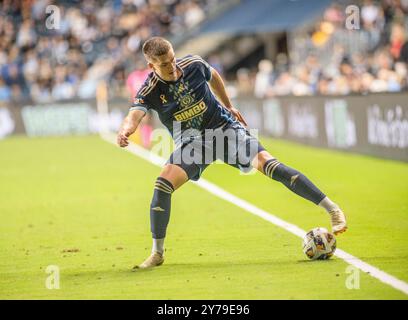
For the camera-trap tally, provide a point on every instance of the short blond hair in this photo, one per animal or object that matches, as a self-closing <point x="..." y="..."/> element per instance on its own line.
<point x="156" y="46"/>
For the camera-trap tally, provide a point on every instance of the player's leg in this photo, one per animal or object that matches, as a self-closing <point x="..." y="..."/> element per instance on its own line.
<point x="177" y="171"/>
<point x="301" y="185"/>
<point x="171" y="178"/>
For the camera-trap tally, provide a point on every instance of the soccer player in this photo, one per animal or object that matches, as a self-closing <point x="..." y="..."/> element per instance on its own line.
<point x="190" y="99"/>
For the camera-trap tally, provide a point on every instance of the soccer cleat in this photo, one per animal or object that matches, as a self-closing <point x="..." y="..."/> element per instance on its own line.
<point x="156" y="259"/>
<point x="338" y="221"/>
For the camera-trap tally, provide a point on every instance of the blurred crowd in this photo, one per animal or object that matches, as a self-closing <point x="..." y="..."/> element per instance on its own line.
<point x="95" y="40"/>
<point x="333" y="60"/>
<point x="53" y="56"/>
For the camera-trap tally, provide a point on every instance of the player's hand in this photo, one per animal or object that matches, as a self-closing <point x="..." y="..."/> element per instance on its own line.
<point x="123" y="138"/>
<point x="238" y="116"/>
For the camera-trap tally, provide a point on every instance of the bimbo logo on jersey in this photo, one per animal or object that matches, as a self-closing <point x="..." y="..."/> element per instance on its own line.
<point x="191" y="112"/>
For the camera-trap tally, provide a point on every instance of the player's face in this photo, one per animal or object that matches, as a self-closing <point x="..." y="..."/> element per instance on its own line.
<point x="165" y="66"/>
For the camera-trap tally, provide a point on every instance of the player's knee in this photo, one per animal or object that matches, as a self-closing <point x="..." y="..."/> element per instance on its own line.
<point x="262" y="158"/>
<point x="174" y="175"/>
<point x="163" y="185"/>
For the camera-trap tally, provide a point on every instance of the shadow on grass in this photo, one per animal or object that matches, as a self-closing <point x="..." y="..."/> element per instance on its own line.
<point x="179" y="268"/>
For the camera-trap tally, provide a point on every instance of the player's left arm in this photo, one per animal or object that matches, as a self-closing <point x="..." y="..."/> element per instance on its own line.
<point x="218" y="87"/>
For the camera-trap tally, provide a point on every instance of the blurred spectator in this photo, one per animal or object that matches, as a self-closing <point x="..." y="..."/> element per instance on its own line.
<point x="194" y="14"/>
<point x="136" y="78"/>
<point x="398" y="40"/>
<point x="369" y="13"/>
<point x="215" y="62"/>
<point x="264" y="78"/>
<point x="244" y="81"/>
<point x="5" y="92"/>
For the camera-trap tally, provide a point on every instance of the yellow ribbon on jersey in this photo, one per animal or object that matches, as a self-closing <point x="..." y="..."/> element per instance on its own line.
<point x="163" y="98"/>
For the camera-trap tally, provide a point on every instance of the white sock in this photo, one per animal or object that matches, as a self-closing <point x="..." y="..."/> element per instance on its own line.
<point x="327" y="204"/>
<point x="158" y="245"/>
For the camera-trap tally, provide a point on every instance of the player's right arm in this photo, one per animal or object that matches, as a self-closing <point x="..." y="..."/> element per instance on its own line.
<point x="129" y="126"/>
<point x="141" y="104"/>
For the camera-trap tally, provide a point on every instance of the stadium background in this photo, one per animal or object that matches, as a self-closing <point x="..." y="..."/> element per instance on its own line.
<point x="300" y="71"/>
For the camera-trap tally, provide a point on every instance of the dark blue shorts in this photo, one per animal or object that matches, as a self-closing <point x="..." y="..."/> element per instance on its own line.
<point x="231" y="143"/>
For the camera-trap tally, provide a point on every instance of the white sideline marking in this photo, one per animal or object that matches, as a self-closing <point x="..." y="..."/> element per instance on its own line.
<point x="221" y="193"/>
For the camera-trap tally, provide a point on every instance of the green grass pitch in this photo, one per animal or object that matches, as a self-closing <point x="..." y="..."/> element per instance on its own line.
<point x="82" y="204"/>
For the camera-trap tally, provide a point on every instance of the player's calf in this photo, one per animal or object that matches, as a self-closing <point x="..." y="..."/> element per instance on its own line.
<point x="160" y="212"/>
<point x="302" y="186"/>
<point x="293" y="180"/>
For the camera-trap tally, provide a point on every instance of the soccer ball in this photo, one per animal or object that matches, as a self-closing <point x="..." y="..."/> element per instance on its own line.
<point x="319" y="244"/>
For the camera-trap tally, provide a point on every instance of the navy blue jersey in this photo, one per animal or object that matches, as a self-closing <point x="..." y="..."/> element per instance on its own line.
<point x="188" y="102"/>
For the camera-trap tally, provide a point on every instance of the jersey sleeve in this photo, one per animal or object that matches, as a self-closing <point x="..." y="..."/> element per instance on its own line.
<point x="142" y="101"/>
<point x="205" y="67"/>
